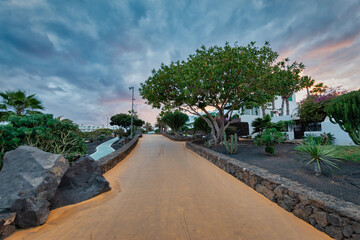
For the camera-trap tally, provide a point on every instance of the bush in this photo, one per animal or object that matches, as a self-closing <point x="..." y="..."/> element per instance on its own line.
<point x="345" y="111"/>
<point x="44" y="132"/>
<point x="261" y="124"/>
<point x="321" y="155"/>
<point x="101" y="137"/>
<point x="269" y="138"/>
<point x="312" y="109"/>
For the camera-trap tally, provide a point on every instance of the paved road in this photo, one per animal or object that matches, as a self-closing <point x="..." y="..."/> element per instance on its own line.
<point x="164" y="191"/>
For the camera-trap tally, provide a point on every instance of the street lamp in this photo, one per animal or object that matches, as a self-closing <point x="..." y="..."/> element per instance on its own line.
<point x="132" y="108"/>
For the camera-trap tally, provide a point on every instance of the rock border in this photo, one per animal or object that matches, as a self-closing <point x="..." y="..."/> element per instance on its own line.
<point x="335" y="217"/>
<point x="111" y="160"/>
<point x="178" y="138"/>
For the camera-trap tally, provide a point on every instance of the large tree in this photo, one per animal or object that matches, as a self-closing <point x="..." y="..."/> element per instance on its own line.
<point x="175" y="120"/>
<point x="213" y="78"/>
<point x="18" y="103"/>
<point x="288" y="81"/>
<point x="124" y="120"/>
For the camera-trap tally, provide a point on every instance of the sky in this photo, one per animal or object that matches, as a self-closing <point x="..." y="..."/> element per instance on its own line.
<point x="80" y="57"/>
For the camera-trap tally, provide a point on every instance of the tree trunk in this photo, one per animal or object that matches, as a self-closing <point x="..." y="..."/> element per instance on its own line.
<point x="317" y="170"/>
<point x="273" y="104"/>
<point x="263" y="108"/>
<point x="282" y="106"/>
<point x="287" y="107"/>
<point x="308" y="92"/>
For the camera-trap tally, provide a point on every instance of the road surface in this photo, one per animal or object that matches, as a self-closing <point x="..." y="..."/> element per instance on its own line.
<point x="164" y="191"/>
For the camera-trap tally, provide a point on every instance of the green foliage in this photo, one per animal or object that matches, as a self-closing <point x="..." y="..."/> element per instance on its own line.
<point x="175" y="120"/>
<point x="288" y="81"/>
<point x="201" y="125"/>
<point x="124" y="120"/>
<point x="307" y="82"/>
<point x="17" y="103"/>
<point x="345" y="111"/>
<point x="44" y="132"/>
<point x="350" y="153"/>
<point x="231" y="147"/>
<point x="321" y="155"/>
<point x="269" y="138"/>
<point x="261" y="124"/>
<point x="312" y="109"/>
<point x="214" y="77"/>
<point x="95" y="135"/>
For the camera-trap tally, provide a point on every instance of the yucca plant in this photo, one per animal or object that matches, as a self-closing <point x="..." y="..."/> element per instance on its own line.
<point x="321" y="155"/>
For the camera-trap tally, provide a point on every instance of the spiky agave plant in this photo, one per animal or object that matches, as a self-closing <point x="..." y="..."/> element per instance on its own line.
<point x="321" y="155"/>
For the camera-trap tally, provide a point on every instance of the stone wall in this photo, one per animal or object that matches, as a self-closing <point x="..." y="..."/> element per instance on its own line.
<point x="337" y="218"/>
<point x="109" y="161"/>
<point x="179" y="138"/>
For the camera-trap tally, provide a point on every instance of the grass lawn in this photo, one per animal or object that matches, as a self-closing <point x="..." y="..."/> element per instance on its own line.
<point x="350" y="153"/>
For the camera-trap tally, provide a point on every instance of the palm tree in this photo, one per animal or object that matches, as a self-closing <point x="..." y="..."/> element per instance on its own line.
<point x="307" y="82"/>
<point x="17" y="103"/>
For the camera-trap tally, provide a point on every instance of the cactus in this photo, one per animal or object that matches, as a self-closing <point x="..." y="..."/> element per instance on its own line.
<point x="345" y="111"/>
<point x="231" y="147"/>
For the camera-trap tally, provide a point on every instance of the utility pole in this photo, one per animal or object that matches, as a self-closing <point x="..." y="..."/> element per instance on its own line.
<point x="132" y="108"/>
<point x="107" y="123"/>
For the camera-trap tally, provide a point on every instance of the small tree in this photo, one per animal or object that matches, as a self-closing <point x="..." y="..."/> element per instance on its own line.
<point x="17" y="103"/>
<point x="124" y="120"/>
<point x="345" y="111"/>
<point x="307" y="82"/>
<point x="175" y="120"/>
<point x="288" y="81"/>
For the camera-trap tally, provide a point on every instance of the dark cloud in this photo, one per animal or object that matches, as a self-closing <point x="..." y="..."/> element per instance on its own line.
<point x="80" y="57"/>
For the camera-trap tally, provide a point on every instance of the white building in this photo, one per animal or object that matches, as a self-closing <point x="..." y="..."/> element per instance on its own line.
<point x="90" y="128"/>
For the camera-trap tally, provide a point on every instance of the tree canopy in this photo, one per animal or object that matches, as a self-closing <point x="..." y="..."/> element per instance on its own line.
<point x="124" y="120"/>
<point x="214" y="78"/>
<point x="18" y="103"/>
<point x="175" y="120"/>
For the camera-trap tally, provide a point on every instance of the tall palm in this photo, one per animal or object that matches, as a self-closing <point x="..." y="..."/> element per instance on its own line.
<point x="307" y="82"/>
<point x="17" y="103"/>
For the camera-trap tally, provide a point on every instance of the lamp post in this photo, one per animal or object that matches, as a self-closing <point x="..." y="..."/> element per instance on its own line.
<point x="132" y="108"/>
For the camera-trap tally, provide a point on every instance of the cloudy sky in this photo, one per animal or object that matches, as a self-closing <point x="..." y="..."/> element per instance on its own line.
<point x="80" y="57"/>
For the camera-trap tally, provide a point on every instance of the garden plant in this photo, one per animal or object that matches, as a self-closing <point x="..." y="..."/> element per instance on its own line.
<point x="231" y="144"/>
<point x="44" y="132"/>
<point x="320" y="154"/>
<point x="269" y="138"/>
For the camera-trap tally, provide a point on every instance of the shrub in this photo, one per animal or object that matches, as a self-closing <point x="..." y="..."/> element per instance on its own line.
<point x="345" y="111"/>
<point x="312" y="109"/>
<point x="231" y="147"/>
<point x="261" y="124"/>
<point x="44" y="132"/>
<point x="321" y="155"/>
<point x="269" y="138"/>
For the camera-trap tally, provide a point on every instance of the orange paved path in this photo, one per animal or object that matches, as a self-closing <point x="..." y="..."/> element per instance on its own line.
<point x="164" y="191"/>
